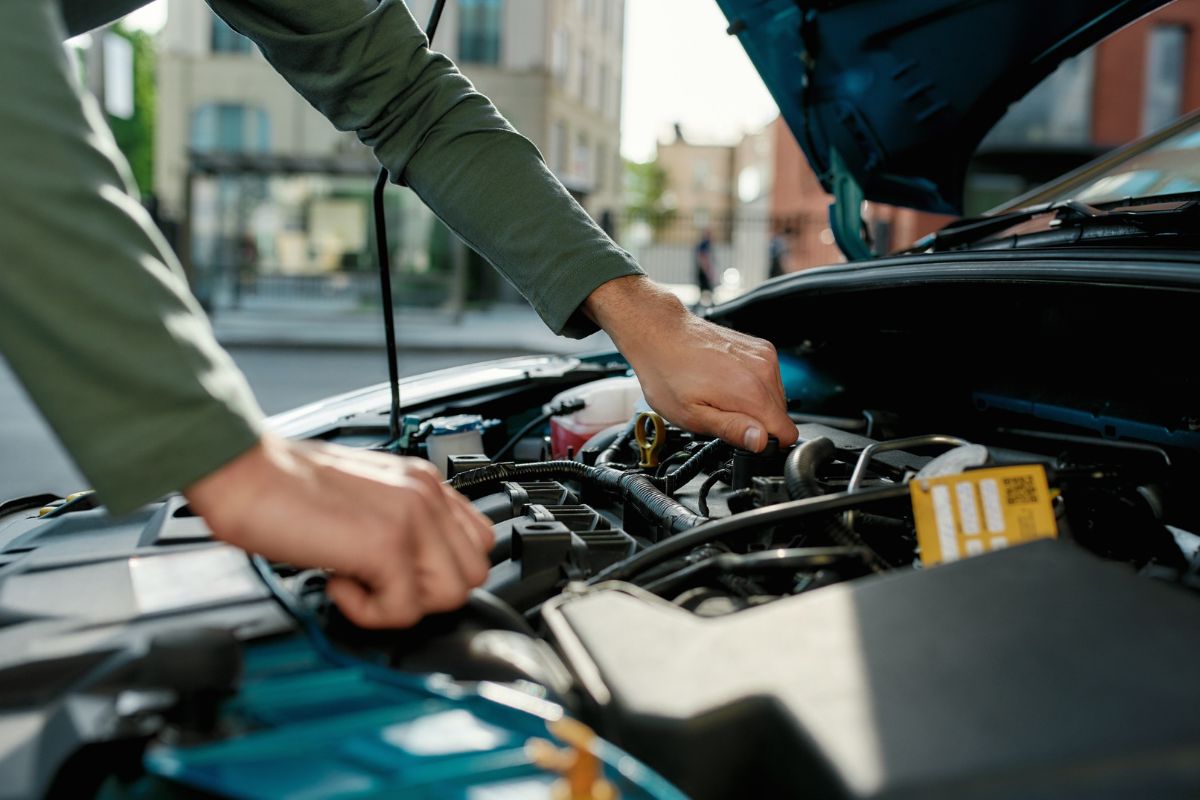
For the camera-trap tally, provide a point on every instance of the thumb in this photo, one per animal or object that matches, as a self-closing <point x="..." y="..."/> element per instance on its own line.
<point x="739" y="430"/>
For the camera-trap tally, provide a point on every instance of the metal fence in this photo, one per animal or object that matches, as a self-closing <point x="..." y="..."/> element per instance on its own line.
<point x="292" y="241"/>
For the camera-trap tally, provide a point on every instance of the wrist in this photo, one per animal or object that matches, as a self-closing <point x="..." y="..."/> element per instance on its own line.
<point x="630" y="308"/>
<point x="223" y="496"/>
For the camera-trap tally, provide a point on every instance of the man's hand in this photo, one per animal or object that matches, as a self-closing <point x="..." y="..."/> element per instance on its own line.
<point x="400" y="542"/>
<point x="702" y="377"/>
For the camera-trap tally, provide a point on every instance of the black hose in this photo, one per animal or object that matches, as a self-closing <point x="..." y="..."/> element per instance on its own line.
<point x="800" y="468"/>
<point x="769" y="515"/>
<point x="800" y="475"/>
<point x="636" y="489"/>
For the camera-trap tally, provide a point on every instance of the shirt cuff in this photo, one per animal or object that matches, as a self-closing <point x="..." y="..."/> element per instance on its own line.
<point x="208" y="442"/>
<point x="559" y="305"/>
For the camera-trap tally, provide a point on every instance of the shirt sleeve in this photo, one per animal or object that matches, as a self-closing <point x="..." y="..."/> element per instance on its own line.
<point x="96" y="318"/>
<point x="369" y="69"/>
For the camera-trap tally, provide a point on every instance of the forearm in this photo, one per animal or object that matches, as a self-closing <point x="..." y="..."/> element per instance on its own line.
<point x="95" y="315"/>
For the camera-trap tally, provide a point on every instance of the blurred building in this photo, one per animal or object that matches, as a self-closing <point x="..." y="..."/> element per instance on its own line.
<point x="1132" y="83"/>
<point x="699" y="188"/>
<point x="553" y="67"/>
<point x="269" y="194"/>
<point x="719" y="190"/>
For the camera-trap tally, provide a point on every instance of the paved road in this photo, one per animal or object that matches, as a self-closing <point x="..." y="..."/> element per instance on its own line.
<point x="31" y="460"/>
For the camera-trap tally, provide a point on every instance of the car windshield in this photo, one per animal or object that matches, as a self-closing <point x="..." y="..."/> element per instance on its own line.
<point x="1166" y="163"/>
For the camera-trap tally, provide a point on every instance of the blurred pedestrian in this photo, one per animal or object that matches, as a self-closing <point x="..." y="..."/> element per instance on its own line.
<point x="778" y="252"/>
<point x="705" y="267"/>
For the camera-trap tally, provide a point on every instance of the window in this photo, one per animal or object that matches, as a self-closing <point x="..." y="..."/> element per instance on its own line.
<point x="1165" y="61"/>
<point x="560" y="57"/>
<point x="479" y="26"/>
<point x="226" y="40"/>
<point x="602" y="89"/>
<point x="230" y="128"/>
<point x="558" y="147"/>
<point x="582" y="166"/>
<point x="1057" y="112"/>
<point x="601" y="165"/>
<point x="585" y="75"/>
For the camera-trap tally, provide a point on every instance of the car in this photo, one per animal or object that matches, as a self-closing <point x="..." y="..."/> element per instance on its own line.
<point x="974" y="576"/>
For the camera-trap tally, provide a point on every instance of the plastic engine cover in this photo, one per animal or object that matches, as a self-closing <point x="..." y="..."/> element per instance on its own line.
<point x="1039" y="671"/>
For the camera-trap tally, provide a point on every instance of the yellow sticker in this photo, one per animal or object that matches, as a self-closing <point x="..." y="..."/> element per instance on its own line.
<point x="979" y="511"/>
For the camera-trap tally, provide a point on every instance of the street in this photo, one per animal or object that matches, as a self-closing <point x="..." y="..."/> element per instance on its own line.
<point x="31" y="460"/>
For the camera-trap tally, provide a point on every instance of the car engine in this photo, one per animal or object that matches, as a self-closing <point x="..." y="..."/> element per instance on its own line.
<point x="737" y="618"/>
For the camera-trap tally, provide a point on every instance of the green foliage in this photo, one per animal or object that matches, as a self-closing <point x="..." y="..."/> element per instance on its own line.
<point x="135" y="136"/>
<point x="646" y="184"/>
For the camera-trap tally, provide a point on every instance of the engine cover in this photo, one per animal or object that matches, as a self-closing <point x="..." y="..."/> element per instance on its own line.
<point x="1039" y="671"/>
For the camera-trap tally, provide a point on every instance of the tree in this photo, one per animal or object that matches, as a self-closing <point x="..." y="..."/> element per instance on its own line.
<point x="647" y="184"/>
<point x="135" y="136"/>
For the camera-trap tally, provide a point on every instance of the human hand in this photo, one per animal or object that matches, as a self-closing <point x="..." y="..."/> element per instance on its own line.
<point x="700" y="376"/>
<point x="401" y="543"/>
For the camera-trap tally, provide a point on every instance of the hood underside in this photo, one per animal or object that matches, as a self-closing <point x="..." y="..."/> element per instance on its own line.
<point x="896" y="96"/>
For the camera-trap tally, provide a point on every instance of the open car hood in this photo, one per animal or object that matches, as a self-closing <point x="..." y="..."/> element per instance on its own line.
<point x="889" y="100"/>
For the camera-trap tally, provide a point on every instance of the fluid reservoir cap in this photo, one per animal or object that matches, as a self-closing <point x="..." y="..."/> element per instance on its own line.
<point x="459" y="423"/>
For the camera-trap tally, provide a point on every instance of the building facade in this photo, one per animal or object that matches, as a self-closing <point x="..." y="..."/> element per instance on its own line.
<point x="262" y="184"/>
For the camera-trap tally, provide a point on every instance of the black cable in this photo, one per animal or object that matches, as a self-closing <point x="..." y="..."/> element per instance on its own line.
<point x="568" y="407"/>
<point x="769" y="515"/>
<point x="704" y="459"/>
<point x="385" y="269"/>
<point x="722" y="475"/>
<point x="793" y="558"/>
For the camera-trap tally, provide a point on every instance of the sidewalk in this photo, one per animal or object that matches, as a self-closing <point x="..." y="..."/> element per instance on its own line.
<point x="501" y="329"/>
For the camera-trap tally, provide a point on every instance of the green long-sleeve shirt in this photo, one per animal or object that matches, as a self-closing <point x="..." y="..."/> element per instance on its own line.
<point x="95" y="313"/>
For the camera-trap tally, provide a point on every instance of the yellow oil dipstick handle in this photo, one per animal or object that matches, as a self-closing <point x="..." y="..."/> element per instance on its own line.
<point x="579" y="767"/>
<point x="650" y="432"/>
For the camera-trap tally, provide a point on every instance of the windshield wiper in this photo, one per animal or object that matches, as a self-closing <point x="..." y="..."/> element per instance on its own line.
<point x="1073" y="221"/>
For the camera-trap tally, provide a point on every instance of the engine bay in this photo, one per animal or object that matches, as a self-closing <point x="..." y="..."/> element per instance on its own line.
<point x="730" y="616"/>
<point x="798" y="617"/>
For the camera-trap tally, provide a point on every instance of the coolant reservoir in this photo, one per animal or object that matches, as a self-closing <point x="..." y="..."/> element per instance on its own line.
<point x="608" y="402"/>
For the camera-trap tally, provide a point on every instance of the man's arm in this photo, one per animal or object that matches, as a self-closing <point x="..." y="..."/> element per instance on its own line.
<point x="369" y="69"/>
<point x="95" y="314"/>
<point x="97" y="321"/>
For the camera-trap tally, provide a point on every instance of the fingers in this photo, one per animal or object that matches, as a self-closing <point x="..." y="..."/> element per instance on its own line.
<point x="737" y="429"/>
<point x="368" y="608"/>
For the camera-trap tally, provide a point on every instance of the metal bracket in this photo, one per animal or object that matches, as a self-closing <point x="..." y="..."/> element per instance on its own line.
<point x="845" y="212"/>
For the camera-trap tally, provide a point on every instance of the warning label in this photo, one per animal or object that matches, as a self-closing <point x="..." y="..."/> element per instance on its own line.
<point x="980" y="511"/>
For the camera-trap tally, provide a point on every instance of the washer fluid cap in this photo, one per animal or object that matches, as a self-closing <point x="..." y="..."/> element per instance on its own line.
<point x="460" y="423"/>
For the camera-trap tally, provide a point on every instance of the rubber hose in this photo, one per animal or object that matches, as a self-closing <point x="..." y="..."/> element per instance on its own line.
<point x="800" y="469"/>
<point x="496" y="507"/>
<point x="639" y="490"/>
<point x="800" y="475"/>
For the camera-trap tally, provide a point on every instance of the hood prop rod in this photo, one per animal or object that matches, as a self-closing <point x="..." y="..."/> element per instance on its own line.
<point x="385" y="271"/>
